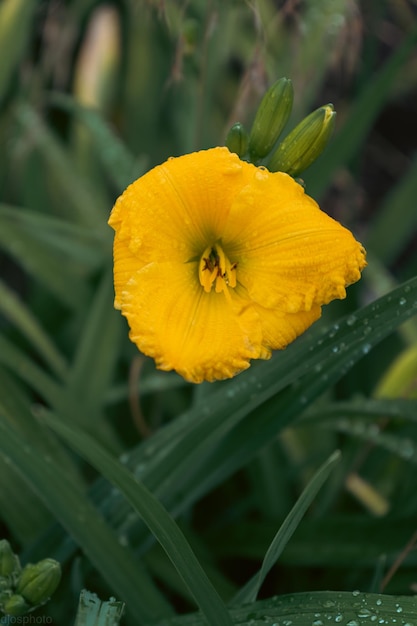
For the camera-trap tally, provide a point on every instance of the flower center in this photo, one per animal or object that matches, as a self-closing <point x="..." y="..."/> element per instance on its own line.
<point x="216" y="269"/>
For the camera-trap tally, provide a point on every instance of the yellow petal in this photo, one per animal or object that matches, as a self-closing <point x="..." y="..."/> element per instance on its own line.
<point x="291" y="255"/>
<point x="280" y="329"/>
<point x="180" y="207"/>
<point x="203" y="336"/>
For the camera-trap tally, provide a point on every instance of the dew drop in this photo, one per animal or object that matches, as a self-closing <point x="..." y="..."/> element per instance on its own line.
<point x="355" y="593"/>
<point x="338" y="618"/>
<point x="378" y="602"/>
<point x="363" y="613"/>
<point x="402" y="301"/>
<point x="335" y="349"/>
<point x="351" y="320"/>
<point x="399" y="608"/>
<point x="317" y="622"/>
<point x="407" y="289"/>
<point x="366" y="348"/>
<point x="352" y="622"/>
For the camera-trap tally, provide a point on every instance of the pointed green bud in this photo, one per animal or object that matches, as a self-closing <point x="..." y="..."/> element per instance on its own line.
<point x="9" y="562"/>
<point x="237" y="139"/>
<point x="38" y="582"/>
<point x="271" y="117"/>
<point x="304" y="144"/>
<point x="15" y="605"/>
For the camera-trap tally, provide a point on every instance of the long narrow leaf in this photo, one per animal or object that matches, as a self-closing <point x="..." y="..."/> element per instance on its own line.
<point x="19" y="315"/>
<point x="157" y="519"/>
<point x="363" y="113"/>
<point x="317" y="609"/>
<point x="72" y="509"/>
<point x="249" y="592"/>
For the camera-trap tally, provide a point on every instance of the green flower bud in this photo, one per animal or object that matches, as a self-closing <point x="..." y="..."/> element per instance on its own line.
<point x="38" y="582"/>
<point x="9" y="562"/>
<point x="237" y="139"/>
<point x="15" y="605"/>
<point x="5" y="590"/>
<point x="271" y="117"/>
<point x="304" y="143"/>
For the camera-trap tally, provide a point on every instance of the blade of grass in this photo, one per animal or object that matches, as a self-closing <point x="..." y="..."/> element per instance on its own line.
<point x="156" y="518"/>
<point x="394" y="225"/>
<point x="304" y="609"/>
<point x="89" y="206"/>
<point x="15" y="32"/>
<point x="27" y="370"/>
<point x="41" y="261"/>
<point x="120" y="164"/>
<point x="72" y="509"/>
<point x="363" y="113"/>
<point x="20" y="316"/>
<point x="83" y="247"/>
<point x="97" y="350"/>
<point x="250" y="590"/>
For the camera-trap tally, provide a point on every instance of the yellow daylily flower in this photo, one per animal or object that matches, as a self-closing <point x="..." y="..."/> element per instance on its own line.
<point x="217" y="262"/>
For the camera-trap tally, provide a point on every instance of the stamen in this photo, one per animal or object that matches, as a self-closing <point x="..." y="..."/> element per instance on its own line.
<point x="215" y="268"/>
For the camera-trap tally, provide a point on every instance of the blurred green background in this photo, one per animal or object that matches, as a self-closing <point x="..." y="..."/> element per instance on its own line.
<point x="92" y="94"/>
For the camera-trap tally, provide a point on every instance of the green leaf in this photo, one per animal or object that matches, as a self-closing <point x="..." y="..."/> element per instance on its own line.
<point x="41" y="261"/>
<point x="156" y="518"/>
<point x="88" y="204"/>
<point x="363" y="112"/>
<point x="97" y="350"/>
<point x="95" y="612"/>
<point x="309" y="609"/>
<point x="15" y="32"/>
<point x="394" y="224"/>
<point x="83" y="247"/>
<point x="250" y="590"/>
<point x="329" y="541"/>
<point x="120" y="164"/>
<point x="19" y="315"/>
<point x="73" y="510"/>
<point x="18" y="362"/>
